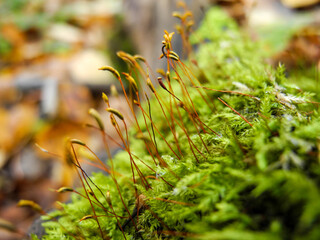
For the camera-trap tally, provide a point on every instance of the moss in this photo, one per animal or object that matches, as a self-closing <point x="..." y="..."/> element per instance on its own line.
<point x="257" y="177"/>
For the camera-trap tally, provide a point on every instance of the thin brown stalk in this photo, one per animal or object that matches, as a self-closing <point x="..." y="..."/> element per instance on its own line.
<point x="84" y="188"/>
<point x="225" y="91"/>
<point x="235" y="111"/>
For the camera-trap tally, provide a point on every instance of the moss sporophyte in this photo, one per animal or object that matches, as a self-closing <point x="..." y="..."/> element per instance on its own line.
<point x="225" y="148"/>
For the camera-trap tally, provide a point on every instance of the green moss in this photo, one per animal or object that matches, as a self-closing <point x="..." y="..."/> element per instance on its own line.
<point x="254" y="182"/>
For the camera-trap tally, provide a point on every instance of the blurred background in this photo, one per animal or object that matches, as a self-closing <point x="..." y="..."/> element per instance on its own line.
<point x="50" y="52"/>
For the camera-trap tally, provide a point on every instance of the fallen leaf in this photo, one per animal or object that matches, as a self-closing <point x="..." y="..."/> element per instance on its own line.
<point x="303" y="48"/>
<point x="299" y="3"/>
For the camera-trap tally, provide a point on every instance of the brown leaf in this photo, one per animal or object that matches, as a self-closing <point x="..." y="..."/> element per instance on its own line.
<point x="303" y="48"/>
<point x="16" y="126"/>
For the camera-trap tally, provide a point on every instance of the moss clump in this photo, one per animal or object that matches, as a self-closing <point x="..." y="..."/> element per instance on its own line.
<point x="256" y="177"/>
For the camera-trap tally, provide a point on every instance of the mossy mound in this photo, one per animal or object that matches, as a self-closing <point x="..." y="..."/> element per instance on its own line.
<point x="256" y="177"/>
